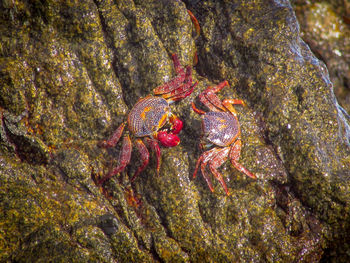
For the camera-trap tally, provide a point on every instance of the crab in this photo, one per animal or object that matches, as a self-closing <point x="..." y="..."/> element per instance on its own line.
<point x="147" y="122"/>
<point x="221" y="129"/>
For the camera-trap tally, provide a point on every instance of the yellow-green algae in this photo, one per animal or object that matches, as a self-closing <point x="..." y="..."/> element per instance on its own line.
<point x="75" y="68"/>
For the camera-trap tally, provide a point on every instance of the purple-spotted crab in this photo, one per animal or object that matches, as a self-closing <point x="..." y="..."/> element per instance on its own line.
<point x="147" y="120"/>
<point x="220" y="127"/>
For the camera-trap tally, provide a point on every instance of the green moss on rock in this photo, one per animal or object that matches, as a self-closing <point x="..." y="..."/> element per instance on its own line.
<point x="70" y="72"/>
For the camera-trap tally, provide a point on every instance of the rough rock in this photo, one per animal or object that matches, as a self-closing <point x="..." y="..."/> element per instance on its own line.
<point x="69" y="72"/>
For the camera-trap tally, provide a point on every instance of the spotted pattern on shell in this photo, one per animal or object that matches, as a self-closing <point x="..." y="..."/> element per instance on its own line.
<point x="147" y="116"/>
<point x="220" y="128"/>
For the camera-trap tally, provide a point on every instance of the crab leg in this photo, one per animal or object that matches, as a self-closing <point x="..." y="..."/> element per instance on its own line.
<point x="234" y="156"/>
<point x="183" y="90"/>
<point x="155" y="147"/>
<point x="202" y="161"/>
<point x="210" y="99"/>
<point x="175" y="82"/>
<point x="144" y="154"/>
<point x="182" y="93"/>
<point x="197" y="166"/>
<point x="234" y="102"/>
<point x="207" y="179"/>
<point x="124" y="159"/>
<point x="203" y="97"/>
<point x="220" y="86"/>
<point x="178" y="68"/>
<point x="197" y="110"/>
<point x="113" y="140"/>
<point x="229" y="102"/>
<point x="195" y="23"/>
<point x="216" y="162"/>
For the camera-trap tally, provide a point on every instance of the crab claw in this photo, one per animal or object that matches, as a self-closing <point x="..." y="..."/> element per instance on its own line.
<point x="176" y="124"/>
<point x="168" y="139"/>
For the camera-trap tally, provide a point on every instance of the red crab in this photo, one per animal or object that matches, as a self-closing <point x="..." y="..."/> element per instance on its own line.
<point x="220" y="127"/>
<point x="146" y="120"/>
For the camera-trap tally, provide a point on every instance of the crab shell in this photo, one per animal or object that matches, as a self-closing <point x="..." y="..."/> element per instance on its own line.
<point x="219" y="128"/>
<point x="148" y="116"/>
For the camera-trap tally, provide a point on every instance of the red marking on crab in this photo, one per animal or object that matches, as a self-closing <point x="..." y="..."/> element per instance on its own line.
<point x="146" y="119"/>
<point x="220" y="128"/>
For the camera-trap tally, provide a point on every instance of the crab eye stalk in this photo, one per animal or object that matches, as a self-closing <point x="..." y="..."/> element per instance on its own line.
<point x="168" y="139"/>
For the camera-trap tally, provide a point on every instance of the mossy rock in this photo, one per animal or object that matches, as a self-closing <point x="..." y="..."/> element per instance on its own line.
<point x="69" y="73"/>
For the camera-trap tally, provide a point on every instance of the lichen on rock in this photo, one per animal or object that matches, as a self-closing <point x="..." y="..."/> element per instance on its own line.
<point x="69" y="73"/>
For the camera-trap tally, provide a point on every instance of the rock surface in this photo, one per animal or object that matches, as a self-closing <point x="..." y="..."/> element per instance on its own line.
<point x="69" y="73"/>
<point x="325" y="27"/>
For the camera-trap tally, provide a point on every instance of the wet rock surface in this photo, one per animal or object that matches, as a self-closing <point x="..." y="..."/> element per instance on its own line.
<point x="325" y="27"/>
<point x="69" y="73"/>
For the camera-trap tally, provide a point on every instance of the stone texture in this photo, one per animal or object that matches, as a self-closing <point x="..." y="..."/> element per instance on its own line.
<point x="69" y="72"/>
